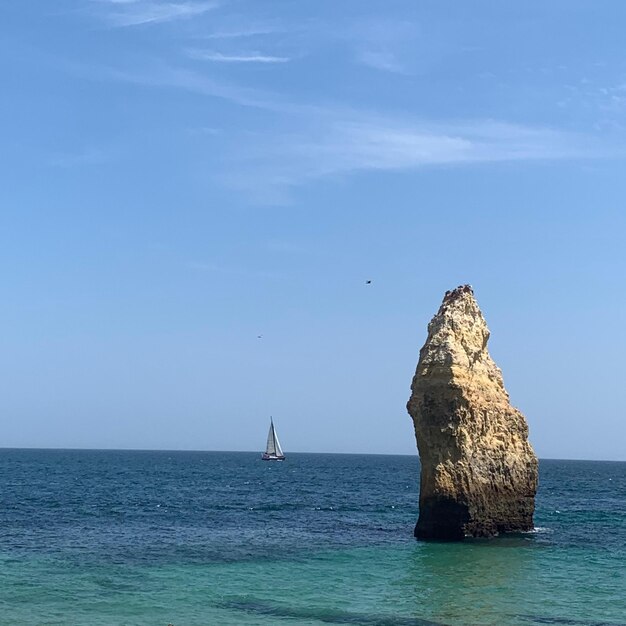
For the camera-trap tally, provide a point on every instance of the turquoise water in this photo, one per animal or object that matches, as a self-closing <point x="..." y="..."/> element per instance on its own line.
<point x="139" y="538"/>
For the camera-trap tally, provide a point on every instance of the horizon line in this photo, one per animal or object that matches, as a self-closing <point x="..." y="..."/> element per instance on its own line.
<point x="70" y="449"/>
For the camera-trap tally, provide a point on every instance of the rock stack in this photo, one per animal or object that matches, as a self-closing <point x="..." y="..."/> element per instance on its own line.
<point x="478" y="470"/>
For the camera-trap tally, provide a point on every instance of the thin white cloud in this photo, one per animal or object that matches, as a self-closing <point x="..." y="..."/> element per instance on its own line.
<point x="384" y="44"/>
<point x="389" y="146"/>
<point x="241" y="33"/>
<point x="139" y="12"/>
<point x="383" y="144"/>
<point x="204" y="131"/>
<point x="176" y="78"/>
<point x="380" y="60"/>
<point x="218" y="57"/>
<point x="168" y="77"/>
<point x="273" y="165"/>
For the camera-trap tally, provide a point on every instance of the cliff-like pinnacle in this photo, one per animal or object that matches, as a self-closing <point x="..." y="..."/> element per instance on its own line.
<point x="478" y="470"/>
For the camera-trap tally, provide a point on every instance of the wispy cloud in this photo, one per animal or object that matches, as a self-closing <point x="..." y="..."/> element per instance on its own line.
<point x="139" y="12"/>
<point x="380" y="60"/>
<point x="274" y="165"/>
<point x="384" y="44"/>
<point x="218" y="57"/>
<point x="254" y="31"/>
<point x="170" y="77"/>
<point x="176" y="78"/>
<point x="386" y="145"/>
<point x="204" y="131"/>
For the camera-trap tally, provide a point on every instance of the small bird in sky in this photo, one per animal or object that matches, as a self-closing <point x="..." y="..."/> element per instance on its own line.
<point x="259" y="336"/>
<point x="368" y="282"/>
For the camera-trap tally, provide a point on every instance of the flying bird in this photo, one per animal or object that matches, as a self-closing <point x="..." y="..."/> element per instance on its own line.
<point x="368" y="282"/>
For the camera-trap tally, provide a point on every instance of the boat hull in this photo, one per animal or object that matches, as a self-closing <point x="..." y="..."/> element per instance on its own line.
<point x="272" y="457"/>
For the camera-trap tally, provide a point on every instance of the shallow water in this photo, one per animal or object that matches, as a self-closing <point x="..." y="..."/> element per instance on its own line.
<point x="137" y="538"/>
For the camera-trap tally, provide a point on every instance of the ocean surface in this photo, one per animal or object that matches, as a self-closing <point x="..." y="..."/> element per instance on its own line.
<point x="201" y="538"/>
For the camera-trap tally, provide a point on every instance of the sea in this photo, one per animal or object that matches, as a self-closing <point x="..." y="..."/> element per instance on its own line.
<point x="210" y="538"/>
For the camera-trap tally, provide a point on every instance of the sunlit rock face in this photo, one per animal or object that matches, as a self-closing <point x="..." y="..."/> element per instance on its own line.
<point x="478" y="470"/>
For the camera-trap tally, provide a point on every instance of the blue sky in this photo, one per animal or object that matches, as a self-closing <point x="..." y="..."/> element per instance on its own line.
<point x="180" y="177"/>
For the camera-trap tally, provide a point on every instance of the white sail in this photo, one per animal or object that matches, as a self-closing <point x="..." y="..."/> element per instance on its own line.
<point x="279" y="450"/>
<point x="270" y="448"/>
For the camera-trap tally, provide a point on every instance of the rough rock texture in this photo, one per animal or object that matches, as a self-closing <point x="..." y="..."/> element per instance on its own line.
<point x="479" y="473"/>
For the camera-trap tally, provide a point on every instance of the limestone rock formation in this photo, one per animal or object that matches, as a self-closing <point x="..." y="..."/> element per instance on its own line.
<point x="479" y="472"/>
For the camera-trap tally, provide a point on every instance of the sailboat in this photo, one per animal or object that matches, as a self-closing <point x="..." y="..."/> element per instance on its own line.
<point x="273" y="451"/>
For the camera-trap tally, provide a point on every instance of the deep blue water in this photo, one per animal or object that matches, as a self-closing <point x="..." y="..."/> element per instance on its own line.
<point x="117" y="537"/>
